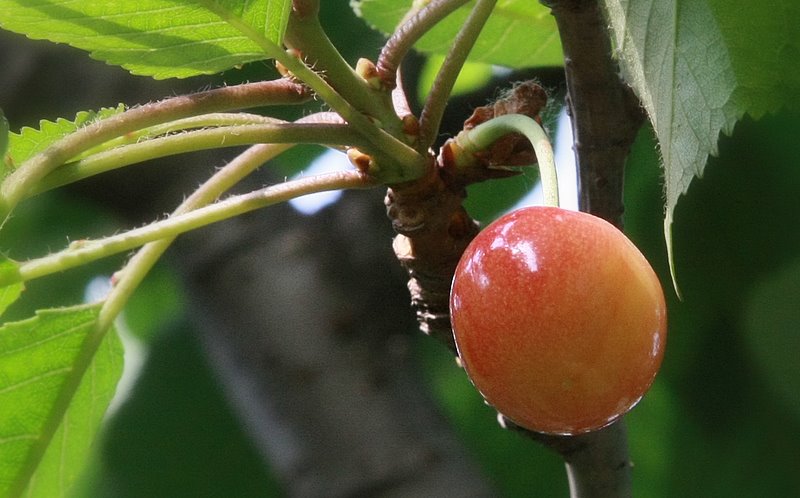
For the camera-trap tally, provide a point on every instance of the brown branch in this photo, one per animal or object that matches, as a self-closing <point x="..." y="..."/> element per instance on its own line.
<point x="605" y="119"/>
<point x="433" y="226"/>
<point x="606" y="116"/>
<point x="433" y="231"/>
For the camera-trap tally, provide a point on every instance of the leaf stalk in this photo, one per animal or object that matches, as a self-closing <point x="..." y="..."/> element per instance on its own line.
<point x="204" y="139"/>
<point x="432" y="112"/>
<point x="17" y="185"/>
<point x="82" y="252"/>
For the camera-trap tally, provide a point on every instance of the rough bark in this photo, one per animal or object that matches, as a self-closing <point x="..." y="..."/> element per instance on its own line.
<point x="606" y="118"/>
<point x="433" y="227"/>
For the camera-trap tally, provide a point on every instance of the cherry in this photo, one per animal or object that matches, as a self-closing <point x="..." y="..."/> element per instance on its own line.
<point x="559" y="320"/>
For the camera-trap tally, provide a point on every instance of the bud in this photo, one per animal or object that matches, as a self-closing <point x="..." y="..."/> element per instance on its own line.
<point x="369" y="73"/>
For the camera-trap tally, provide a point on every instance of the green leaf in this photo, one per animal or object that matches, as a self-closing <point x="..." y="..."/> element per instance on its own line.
<point x="699" y="65"/>
<point x="9" y="293"/>
<point x="158" y="38"/>
<point x="514" y="24"/>
<point x="53" y="394"/>
<point x="30" y="141"/>
<point x="473" y="76"/>
<point x="277" y="19"/>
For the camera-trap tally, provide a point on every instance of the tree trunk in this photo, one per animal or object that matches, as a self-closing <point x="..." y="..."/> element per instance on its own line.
<point x="306" y="320"/>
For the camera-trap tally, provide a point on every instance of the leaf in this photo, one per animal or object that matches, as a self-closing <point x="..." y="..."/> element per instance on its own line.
<point x="472" y="77"/>
<point x="30" y="141"/>
<point x="9" y="293"/>
<point x="158" y="38"/>
<point x="514" y="24"/>
<point x="277" y="19"/>
<point x="46" y="426"/>
<point x="698" y="66"/>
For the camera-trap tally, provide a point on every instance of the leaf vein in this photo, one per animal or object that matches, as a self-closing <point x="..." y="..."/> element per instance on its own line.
<point x="35" y="379"/>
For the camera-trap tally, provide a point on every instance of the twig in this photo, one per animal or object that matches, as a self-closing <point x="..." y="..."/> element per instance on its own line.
<point x="191" y="141"/>
<point x="606" y="115"/>
<point x="82" y="252"/>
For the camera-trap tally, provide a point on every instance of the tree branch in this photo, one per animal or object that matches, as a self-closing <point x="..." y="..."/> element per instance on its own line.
<point x="606" y="115"/>
<point x="605" y="119"/>
<point x="314" y="354"/>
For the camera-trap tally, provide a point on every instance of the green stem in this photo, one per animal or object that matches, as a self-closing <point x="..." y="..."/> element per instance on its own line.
<point x="140" y="264"/>
<point x="17" y="185"/>
<point x="306" y="34"/>
<point x="82" y="252"/>
<point x="432" y="112"/>
<point x="401" y="162"/>
<point x="211" y="120"/>
<point x="137" y="268"/>
<point x="483" y="135"/>
<point x="192" y="141"/>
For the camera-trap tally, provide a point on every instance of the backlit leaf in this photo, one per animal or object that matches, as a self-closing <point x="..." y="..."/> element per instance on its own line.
<point x="699" y="65"/>
<point x="158" y="38"/>
<point x="520" y="33"/>
<point x="277" y="19"/>
<point x="30" y="141"/>
<point x="46" y="425"/>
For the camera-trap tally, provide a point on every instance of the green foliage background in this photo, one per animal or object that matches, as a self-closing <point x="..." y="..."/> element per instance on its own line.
<point x="723" y="418"/>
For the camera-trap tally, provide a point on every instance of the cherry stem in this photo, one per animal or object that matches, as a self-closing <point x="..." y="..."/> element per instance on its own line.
<point x="485" y="134"/>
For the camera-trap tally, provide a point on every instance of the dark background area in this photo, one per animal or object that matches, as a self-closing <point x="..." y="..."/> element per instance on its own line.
<point x="282" y="357"/>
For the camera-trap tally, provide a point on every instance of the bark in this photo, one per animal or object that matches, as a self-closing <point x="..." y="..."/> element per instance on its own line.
<point x="433" y="227"/>
<point x="606" y="115"/>
<point x="316" y="355"/>
<point x="310" y="344"/>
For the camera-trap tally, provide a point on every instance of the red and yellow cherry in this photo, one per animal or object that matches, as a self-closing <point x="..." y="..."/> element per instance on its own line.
<point x="559" y="320"/>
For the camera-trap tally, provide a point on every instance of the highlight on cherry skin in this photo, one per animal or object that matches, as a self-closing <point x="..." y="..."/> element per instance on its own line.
<point x="559" y="320"/>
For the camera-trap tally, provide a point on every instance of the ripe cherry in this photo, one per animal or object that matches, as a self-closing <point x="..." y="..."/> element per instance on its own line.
<point x="559" y="320"/>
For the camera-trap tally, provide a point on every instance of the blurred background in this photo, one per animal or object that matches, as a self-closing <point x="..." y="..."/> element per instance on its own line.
<point x="276" y="355"/>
